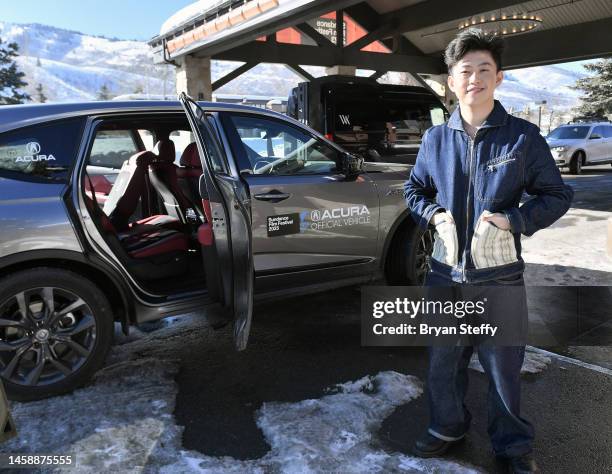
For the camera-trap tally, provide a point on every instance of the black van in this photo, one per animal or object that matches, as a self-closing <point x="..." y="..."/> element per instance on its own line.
<point x="381" y="122"/>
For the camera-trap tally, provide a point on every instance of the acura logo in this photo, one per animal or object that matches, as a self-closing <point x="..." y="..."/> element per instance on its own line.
<point x="315" y="215"/>
<point x="33" y="148"/>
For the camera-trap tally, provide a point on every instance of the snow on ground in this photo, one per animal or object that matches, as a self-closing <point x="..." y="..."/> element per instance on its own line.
<point x="123" y="421"/>
<point x="565" y="255"/>
<point x="534" y="362"/>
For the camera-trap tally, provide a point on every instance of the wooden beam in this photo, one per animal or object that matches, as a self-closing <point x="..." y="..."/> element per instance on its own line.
<point x="300" y="72"/>
<point x="232" y="75"/>
<point x="320" y="56"/>
<point x="340" y="28"/>
<point x="372" y="36"/>
<point x="314" y="34"/>
<point x="370" y="20"/>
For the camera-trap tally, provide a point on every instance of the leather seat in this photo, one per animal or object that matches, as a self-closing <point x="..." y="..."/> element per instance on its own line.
<point x="189" y="173"/>
<point x="163" y="176"/>
<point x="150" y="251"/>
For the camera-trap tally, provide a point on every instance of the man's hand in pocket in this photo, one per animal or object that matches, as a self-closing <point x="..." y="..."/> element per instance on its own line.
<point x="498" y="219"/>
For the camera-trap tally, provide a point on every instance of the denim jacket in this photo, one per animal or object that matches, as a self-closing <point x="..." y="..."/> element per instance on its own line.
<point x="507" y="157"/>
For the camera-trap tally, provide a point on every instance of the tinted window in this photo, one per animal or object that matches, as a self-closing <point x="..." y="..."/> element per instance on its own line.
<point x="273" y="147"/>
<point x="607" y="131"/>
<point x="568" y="133"/>
<point x="599" y="130"/>
<point x="44" y="152"/>
<point x="406" y="120"/>
<point x="112" y="147"/>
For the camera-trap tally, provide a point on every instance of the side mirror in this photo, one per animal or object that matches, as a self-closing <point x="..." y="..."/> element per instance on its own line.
<point x="351" y="165"/>
<point x="594" y="136"/>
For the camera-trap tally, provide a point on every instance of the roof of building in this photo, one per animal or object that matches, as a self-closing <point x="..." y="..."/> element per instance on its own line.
<point x="414" y="31"/>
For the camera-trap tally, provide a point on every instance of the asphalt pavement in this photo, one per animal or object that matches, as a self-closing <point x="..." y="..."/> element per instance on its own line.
<point x="301" y="346"/>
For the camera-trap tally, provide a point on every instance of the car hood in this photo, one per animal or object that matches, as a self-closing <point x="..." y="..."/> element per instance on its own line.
<point x="562" y="142"/>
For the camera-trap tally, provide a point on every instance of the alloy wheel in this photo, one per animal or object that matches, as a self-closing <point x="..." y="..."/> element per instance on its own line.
<point x="46" y="334"/>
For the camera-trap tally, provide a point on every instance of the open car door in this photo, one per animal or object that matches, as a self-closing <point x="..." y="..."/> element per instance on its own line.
<point x="225" y="200"/>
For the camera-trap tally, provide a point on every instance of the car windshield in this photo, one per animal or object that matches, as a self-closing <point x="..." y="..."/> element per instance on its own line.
<point x="568" y="133"/>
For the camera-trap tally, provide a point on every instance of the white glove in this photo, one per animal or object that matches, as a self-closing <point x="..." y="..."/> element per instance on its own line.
<point x="446" y="247"/>
<point x="492" y="246"/>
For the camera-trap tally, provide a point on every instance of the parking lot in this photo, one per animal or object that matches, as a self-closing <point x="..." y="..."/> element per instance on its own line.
<point x="178" y="399"/>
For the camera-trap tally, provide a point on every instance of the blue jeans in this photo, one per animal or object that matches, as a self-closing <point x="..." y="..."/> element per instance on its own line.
<point x="447" y="382"/>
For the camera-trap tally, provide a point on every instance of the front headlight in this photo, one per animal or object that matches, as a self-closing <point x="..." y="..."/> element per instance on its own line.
<point x="559" y="148"/>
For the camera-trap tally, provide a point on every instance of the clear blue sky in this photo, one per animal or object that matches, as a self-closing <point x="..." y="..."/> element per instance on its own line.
<point x="124" y="19"/>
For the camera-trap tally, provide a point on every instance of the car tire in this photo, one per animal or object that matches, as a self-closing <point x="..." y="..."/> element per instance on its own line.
<point x="407" y="257"/>
<point x="575" y="166"/>
<point x="62" y="339"/>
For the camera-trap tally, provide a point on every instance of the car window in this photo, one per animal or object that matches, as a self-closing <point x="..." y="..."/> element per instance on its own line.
<point x="599" y="130"/>
<point x="607" y="131"/>
<point x="147" y="138"/>
<point x="272" y="147"/>
<point x="41" y="152"/>
<point x="181" y="139"/>
<point x="568" y="132"/>
<point x="399" y="120"/>
<point x="111" y="148"/>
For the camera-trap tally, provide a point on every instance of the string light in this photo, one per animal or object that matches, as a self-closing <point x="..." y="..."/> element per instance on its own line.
<point x="504" y="24"/>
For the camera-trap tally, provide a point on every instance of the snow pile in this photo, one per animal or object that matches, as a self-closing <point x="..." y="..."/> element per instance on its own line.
<point x="123" y="421"/>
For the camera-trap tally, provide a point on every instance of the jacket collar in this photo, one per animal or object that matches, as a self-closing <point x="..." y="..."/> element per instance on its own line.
<point x="496" y="118"/>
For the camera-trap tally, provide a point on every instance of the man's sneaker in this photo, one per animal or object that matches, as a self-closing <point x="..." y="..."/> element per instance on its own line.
<point x="522" y="464"/>
<point x="429" y="446"/>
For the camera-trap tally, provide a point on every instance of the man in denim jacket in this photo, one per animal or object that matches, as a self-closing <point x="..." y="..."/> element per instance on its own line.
<point x="468" y="180"/>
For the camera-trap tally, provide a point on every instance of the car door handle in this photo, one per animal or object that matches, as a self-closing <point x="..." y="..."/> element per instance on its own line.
<point x="274" y="196"/>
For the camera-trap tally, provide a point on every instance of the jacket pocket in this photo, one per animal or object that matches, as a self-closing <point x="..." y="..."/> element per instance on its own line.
<point x="446" y="246"/>
<point x="499" y="177"/>
<point x="492" y="246"/>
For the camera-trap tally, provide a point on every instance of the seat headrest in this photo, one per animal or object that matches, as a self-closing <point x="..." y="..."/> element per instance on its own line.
<point x="165" y="151"/>
<point x="142" y="158"/>
<point x="190" y="157"/>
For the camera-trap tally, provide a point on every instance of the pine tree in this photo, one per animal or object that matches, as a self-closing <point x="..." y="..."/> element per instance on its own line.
<point x="597" y="89"/>
<point x="11" y="78"/>
<point x="104" y="93"/>
<point x="40" y="95"/>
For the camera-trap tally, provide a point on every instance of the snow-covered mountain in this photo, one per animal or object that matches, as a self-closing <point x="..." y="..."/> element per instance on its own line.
<point x="73" y="66"/>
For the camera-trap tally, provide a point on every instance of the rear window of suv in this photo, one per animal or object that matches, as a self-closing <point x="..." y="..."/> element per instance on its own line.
<point x="41" y="152"/>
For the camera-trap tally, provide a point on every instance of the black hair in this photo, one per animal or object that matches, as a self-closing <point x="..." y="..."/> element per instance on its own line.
<point x="473" y="39"/>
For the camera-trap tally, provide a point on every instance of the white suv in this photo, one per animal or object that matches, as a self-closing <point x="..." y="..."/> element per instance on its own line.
<point x="581" y="143"/>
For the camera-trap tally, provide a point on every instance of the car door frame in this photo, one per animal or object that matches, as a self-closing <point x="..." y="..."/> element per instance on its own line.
<point x="230" y="223"/>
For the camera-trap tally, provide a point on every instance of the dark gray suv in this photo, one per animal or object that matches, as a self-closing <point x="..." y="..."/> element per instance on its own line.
<point x="133" y="211"/>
